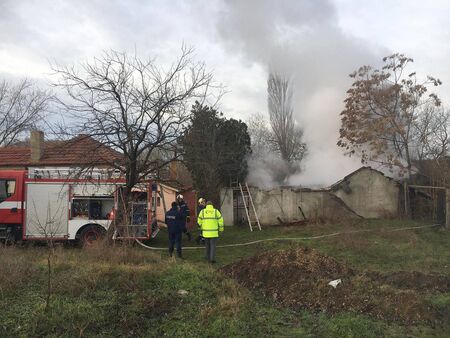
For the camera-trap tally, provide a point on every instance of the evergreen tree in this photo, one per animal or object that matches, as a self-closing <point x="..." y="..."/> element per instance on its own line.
<point x="215" y="150"/>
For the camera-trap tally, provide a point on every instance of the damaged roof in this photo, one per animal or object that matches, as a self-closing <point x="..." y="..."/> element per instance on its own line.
<point x="346" y="178"/>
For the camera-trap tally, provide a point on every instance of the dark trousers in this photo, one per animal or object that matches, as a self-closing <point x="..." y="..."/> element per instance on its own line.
<point x="175" y="241"/>
<point x="187" y="232"/>
<point x="211" y="249"/>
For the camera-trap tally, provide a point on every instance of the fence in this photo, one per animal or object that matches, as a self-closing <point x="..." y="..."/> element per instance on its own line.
<point x="428" y="203"/>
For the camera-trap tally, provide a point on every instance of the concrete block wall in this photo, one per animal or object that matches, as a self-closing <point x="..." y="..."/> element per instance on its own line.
<point x="365" y="193"/>
<point x="284" y="203"/>
<point x="371" y="194"/>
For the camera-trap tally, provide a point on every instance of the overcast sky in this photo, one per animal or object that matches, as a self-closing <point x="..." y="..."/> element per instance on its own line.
<point x="318" y="42"/>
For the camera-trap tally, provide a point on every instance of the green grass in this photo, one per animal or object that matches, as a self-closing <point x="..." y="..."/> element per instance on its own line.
<point x="426" y="250"/>
<point x="130" y="291"/>
<point x="131" y="298"/>
<point x="442" y="301"/>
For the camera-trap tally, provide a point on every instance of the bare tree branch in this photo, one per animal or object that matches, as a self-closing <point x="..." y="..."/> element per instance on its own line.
<point x="287" y="135"/>
<point x="133" y="106"/>
<point x="22" y="107"/>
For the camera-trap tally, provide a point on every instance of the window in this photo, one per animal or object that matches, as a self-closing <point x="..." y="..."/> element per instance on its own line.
<point x="11" y="187"/>
<point x="158" y="201"/>
<point x="80" y="209"/>
<point x="92" y="208"/>
<point x="7" y="188"/>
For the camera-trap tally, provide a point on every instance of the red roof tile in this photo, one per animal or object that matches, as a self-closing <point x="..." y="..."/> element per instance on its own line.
<point x="82" y="150"/>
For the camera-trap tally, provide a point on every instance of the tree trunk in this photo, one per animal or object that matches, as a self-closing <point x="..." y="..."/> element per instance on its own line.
<point x="49" y="275"/>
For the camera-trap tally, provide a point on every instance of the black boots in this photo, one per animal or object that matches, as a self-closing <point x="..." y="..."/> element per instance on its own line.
<point x="179" y="255"/>
<point x="200" y="240"/>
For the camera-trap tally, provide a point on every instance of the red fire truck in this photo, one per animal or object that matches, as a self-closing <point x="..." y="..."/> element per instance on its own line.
<point x="47" y="204"/>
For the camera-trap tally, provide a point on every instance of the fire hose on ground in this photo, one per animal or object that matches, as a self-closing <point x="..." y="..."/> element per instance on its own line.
<point x="334" y="234"/>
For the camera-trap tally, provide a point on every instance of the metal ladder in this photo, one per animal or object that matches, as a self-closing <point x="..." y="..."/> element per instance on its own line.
<point x="249" y="207"/>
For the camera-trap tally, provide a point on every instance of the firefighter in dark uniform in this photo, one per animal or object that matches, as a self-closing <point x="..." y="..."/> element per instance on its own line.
<point x="185" y="212"/>
<point x="174" y="221"/>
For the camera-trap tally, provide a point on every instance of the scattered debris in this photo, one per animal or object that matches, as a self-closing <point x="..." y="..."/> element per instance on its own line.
<point x="335" y="283"/>
<point x="183" y="292"/>
<point x="289" y="224"/>
<point x="300" y="278"/>
<point x="303" y="214"/>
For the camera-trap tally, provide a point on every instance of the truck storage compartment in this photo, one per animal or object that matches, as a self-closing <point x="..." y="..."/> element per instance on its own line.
<point x="47" y="210"/>
<point x="93" y="208"/>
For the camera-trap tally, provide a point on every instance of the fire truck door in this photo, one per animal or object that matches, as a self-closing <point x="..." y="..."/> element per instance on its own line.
<point x="47" y="210"/>
<point x="10" y="206"/>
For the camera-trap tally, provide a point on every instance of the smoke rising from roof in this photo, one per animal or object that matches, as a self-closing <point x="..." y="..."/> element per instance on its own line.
<point x="303" y="40"/>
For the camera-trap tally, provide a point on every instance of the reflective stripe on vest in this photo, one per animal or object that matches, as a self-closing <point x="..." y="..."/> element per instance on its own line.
<point x="215" y="213"/>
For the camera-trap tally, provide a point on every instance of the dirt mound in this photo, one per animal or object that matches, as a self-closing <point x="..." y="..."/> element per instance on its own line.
<point x="299" y="278"/>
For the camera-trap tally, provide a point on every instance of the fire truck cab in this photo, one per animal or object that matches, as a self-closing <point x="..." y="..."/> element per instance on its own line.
<point x="11" y="204"/>
<point x="43" y="207"/>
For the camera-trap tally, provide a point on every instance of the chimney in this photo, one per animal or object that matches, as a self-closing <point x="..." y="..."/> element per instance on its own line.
<point x="36" y="145"/>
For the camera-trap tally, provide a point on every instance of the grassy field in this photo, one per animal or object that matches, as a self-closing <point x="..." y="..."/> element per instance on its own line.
<point x="376" y="247"/>
<point x="131" y="291"/>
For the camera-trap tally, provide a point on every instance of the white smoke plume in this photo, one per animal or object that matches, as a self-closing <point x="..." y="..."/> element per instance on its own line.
<point x="303" y="40"/>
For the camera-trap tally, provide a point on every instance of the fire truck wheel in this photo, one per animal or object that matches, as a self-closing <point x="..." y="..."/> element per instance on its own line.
<point x="91" y="234"/>
<point x="9" y="240"/>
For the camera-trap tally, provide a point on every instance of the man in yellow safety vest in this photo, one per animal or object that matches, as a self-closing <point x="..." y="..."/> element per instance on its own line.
<point x="210" y="221"/>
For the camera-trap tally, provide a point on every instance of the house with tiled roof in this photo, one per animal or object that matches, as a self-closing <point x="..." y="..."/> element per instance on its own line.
<point x="83" y="154"/>
<point x="81" y="151"/>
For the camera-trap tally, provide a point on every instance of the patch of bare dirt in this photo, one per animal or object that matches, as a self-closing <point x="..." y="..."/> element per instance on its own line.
<point x="299" y="279"/>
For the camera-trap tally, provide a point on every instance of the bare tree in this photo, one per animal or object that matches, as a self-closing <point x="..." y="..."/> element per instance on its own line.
<point x="22" y="106"/>
<point x="432" y="128"/>
<point x="287" y="135"/>
<point x="134" y="106"/>
<point x="49" y="228"/>
<point x="266" y="167"/>
<point x="260" y="135"/>
<point x="277" y="146"/>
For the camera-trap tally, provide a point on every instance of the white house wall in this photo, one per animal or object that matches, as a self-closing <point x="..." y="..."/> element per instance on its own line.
<point x="170" y="196"/>
<point x="226" y="207"/>
<point x="371" y="194"/>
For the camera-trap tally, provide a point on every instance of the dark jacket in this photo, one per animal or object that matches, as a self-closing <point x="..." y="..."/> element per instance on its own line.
<point x="174" y="221"/>
<point x="184" y="210"/>
<point x="200" y="208"/>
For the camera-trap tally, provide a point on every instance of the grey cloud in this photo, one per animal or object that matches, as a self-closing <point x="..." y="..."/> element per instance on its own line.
<point x="67" y="30"/>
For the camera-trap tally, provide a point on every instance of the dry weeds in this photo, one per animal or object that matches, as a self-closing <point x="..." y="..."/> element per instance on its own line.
<point x="299" y="278"/>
